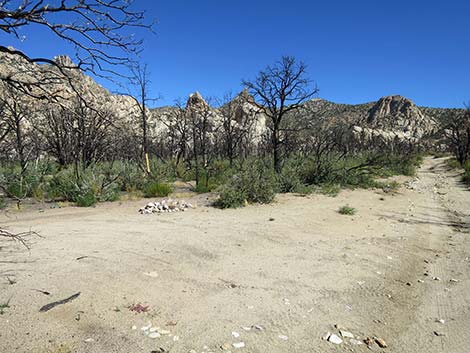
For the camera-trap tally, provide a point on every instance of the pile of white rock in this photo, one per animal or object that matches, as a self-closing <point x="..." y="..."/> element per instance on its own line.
<point x="163" y="206"/>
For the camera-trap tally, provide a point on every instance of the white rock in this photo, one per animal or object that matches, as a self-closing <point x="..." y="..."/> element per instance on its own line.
<point x="164" y="332"/>
<point x="239" y="345"/>
<point x="355" y="342"/>
<point x="346" y="334"/>
<point x="176" y="338"/>
<point x="154" y="335"/>
<point x="134" y="327"/>
<point x="326" y="336"/>
<point x="335" y="339"/>
<point x="246" y="328"/>
<point x="283" y="337"/>
<point x="153" y="329"/>
<point x="235" y="334"/>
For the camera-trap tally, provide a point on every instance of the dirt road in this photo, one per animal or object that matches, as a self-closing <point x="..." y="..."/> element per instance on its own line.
<point x="275" y="278"/>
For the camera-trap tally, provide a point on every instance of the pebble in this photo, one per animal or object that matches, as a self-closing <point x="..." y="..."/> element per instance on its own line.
<point x="335" y="339"/>
<point x="355" y="342"/>
<point x="346" y="334"/>
<point x="239" y="345"/>
<point x="235" y="334"/>
<point x="441" y="321"/>
<point x="154" y="335"/>
<point x="326" y="336"/>
<point x="176" y="338"/>
<point x="225" y="346"/>
<point x="439" y="334"/>
<point x="246" y="328"/>
<point x="436" y="278"/>
<point x="134" y="327"/>
<point x="380" y="342"/>
<point x="283" y="337"/>
<point x="454" y="280"/>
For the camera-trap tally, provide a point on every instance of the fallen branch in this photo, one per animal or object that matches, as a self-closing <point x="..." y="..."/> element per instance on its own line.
<point x="19" y="237"/>
<point x="50" y="306"/>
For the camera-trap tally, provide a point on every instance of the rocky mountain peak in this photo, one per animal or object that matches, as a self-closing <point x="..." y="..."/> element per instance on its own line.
<point x="196" y="102"/>
<point x="394" y="106"/>
<point x="64" y="61"/>
<point x="399" y="113"/>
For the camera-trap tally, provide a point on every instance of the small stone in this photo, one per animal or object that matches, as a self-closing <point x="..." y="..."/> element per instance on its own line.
<point x="283" y="337"/>
<point x="246" y="328"/>
<point x="176" y="338"/>
<point x="192" y="351"/>
<point x="454" y="280"/>
<point x="235" y="334"/>
<point x="239" y="345"/>
<point x="226" y="346"/>
<point x="420" y="281"/>
<point x="153" y="329"/>
<point x="164" y="332"/>
<point x="326" y="336"/>
<point x="441" y="321"/>
<point x="154" y="335"/>
<point x="408" y="284"/>
<point x="134" y="327"/>
<point x="355" y="342"/>
<point x="89" y="340"/>
<point x="439" y="334"/>
<point x="380" y="342"/>
<point x="258" y="327"/>
<point x="335" y="339"/>
<point x="346" y="334"/>
<point x="436" y="278"/>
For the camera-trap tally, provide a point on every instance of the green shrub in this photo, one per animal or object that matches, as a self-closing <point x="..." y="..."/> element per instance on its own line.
<point x="466" y="175"/>
<point x="3" y="203"/>
<point x="231" y="197"/>
<point x="290" y="180"/>
<point x="347" y="210"/>
<point x="157" y="189"/>
<point x="87" y="199"/>
<point x="255" y="184"/>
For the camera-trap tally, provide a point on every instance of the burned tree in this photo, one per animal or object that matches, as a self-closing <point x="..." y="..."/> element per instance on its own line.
<point x="77" y="134"/>
<point x="97" y="29"/>
<point x="456" y="127"/>
<point x="280" y="89"/>
<point x="238" y="118"/>
<point x="141" y="82"/>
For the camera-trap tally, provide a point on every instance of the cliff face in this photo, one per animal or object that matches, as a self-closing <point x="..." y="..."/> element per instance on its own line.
<point x="399" y="114"/>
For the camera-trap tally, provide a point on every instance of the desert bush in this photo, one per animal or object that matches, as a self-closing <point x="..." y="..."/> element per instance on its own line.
<point x="466" y="175"/>
<point x="290" y="178"/>
<point x="157" y="189"/>
<point x="87" y="199"/>
<point x="255" y="184"/>
<point x="3" y="203"/>
<point x="347" y="210"/>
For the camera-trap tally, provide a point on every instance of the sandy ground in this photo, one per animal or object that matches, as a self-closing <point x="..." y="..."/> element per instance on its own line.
<point x="295" y="268"/>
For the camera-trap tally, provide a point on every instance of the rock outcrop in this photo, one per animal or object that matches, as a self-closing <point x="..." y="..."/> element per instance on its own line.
<point x="399" y="114"/>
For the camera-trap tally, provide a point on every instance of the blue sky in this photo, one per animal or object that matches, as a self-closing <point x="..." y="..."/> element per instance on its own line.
<point x="356" y="51"/>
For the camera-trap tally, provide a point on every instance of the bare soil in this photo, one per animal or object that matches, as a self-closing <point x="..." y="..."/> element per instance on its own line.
<point x="295" y="268"/>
